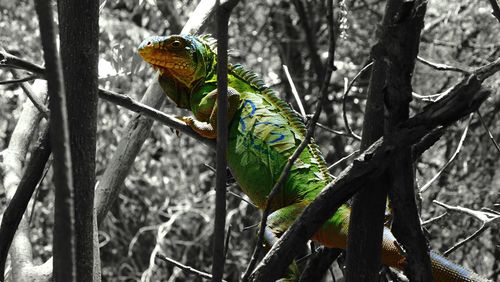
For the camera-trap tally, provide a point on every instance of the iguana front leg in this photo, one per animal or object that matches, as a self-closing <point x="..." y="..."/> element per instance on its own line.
<point x="206" y="112"/>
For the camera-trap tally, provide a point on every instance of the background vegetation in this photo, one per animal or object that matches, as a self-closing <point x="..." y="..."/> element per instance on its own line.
<point x="168" y="199"/>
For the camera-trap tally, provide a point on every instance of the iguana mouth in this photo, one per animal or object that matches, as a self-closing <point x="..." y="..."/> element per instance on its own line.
<point x="178" y="66"/>
<point x="169" y="65"/>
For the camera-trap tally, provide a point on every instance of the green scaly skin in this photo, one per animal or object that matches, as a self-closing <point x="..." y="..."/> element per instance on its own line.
<point x="263" y="133"/>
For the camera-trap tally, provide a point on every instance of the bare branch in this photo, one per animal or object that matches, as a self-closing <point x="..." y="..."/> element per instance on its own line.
<point x="337" y="132"/>
<point x="185" y="268"/>
<point x="151" y="112"/>
<point x="432" y="220"/>
<point x="19" y="80"/>
<point x="347" y="88"/>
<point x="486" y="218"/>
<point x="40" y="105"/>
<point x="441" y="67"/>
<point x="455" y="154"/>
<point x="490" y="135"/>
<point x="11" y="61"/>
<point x="294" y="92"/>
<point x="343" y="159"/>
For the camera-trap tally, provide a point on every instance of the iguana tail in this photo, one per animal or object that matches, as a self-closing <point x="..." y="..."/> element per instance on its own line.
<point x="334" y="234"/>
<point x="444" y="270"/>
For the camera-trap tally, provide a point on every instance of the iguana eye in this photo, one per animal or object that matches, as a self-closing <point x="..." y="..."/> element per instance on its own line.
<point x="175" y="44"/>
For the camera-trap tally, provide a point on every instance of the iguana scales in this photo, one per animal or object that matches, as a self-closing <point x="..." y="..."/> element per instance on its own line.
<point x="263" y="133"/>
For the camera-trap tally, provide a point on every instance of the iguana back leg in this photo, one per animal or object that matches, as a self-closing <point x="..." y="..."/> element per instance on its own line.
<point x="277" y="223"/>
<point x="207" y="113"/>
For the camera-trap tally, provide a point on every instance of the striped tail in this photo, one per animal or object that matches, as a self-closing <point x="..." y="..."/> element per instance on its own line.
<point x="445" y="270"/>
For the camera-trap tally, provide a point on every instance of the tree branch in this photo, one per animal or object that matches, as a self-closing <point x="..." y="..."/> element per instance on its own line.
<point x="18" y="204"/>
<point x="367" y="169"/>
<point x="222" y="14"/>
<point x="486" y="218"/>
<point x="186" y="268"/>
<point x="347" y="88"/>
<point x="441" y="67"/>
<point x="12" y="159"/>
<point x="496" y="9"/>
<point x="64" y="217"/>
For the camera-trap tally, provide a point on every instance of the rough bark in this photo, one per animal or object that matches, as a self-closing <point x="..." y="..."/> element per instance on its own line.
<point x="390" y="88"/>
<point x="406" y="224"/>
<point x="79" y="31"/>
<point x="223" y="12"/>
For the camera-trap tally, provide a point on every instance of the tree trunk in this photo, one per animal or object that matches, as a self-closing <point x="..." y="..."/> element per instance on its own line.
<point x="79" y="31"/>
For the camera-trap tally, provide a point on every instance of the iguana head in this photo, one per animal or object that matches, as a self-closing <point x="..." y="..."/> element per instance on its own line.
<point x="185" y="58"/>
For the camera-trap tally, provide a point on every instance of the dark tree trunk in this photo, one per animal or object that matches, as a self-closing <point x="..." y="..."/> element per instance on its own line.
<point x="390" y="86"/>
<point x="79" y="30"/>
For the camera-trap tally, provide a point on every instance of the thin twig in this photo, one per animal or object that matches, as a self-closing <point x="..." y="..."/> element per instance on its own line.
<point x="236" y="195"/>
<point x="431" y="220"/>
<point x="185" y="268"/>
<point x="250" y="227"/>
<point x="459" y="147"/>
<point x="347" y="88"/>
<point x="470" y="238"/>
<point x="226" y="242"/>
<point x="241" y="198"/>
<point x="490" y="135"/>
<point x="343" y="159"/>
<point x="441" y="67"/>
<point x="19" y="80"/>
<point x="426" y="97"/>
<point x="40" y="105"/>
<point x="295" y="92"/>
<point x="338" y="132"/>
<point x="485" y="217"/>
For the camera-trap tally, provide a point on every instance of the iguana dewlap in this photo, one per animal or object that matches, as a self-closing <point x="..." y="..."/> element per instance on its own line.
<point x="263" y="134"/>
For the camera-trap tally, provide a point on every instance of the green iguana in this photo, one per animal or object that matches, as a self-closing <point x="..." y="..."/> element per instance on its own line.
<point x="263" y="133"/>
